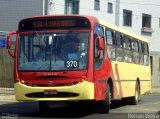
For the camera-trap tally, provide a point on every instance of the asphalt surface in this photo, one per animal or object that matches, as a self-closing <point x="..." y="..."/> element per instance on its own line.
<point x="148" y="108"/>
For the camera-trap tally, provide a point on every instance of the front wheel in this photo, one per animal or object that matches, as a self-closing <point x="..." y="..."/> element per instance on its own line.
<point x="105" y="104"/>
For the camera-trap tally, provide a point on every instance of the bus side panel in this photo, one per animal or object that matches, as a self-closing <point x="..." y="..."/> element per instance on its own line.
<point x="102" y="76"/>
<point x="145" y="79"/>
<point x="118" y="89"/>
<point x="126" y="78"/>
<point x="127" y="74"/>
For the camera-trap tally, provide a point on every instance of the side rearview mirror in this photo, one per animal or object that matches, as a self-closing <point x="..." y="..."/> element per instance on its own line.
<point x="100" y="42"/>
<point x="100" y="46"/>
<point x="9" y="43"/>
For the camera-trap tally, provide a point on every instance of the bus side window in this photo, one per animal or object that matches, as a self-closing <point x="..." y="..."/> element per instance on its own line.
<point x="136" y="56"/>
<point x="146" y="54"/>
<point x="119" y="47"/>
<point x="98" y="60"/>
<point x="111" y="51"/>
<point x="141" y="53"/>
<point x="127" y="49"/>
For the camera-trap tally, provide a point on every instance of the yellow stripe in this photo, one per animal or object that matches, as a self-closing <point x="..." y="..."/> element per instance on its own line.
<point x="85" y="90"/>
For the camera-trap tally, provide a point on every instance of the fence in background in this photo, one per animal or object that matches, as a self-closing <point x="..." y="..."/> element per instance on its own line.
<point x="6" y="69"/>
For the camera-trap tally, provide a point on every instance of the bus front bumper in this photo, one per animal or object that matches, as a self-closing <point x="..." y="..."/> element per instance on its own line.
<point x="81" y="91"/>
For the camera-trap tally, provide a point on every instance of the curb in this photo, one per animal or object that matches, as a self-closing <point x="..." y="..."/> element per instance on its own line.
<point x="7" y="91"/>
<point x="8" y="98"/>
<point x="155" y="90"/>
<point x="7" y="94"/>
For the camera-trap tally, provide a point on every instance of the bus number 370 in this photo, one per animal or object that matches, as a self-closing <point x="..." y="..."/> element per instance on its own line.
<point x="72" y="64"/>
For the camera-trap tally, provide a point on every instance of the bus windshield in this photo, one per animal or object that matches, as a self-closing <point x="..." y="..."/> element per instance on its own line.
<point x="53" y="51"/>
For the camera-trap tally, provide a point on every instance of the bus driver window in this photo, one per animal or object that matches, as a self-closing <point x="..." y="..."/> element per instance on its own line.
<point x="40" y="54"/>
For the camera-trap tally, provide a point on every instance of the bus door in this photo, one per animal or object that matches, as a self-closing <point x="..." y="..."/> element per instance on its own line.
<point x="99" y="67"/>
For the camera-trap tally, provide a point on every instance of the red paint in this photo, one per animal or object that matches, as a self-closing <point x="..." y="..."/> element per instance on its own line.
<point x="57" y="78"/>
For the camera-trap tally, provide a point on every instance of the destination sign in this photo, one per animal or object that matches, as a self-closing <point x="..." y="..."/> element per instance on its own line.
<point x="59" y="23"/>
<point x="53" y="24"/>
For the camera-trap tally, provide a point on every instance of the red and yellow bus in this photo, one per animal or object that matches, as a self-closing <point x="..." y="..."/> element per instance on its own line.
<point x="75" y="58"/>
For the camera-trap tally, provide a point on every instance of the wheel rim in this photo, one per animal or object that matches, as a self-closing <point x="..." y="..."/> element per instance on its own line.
<point x="110" y="98"/>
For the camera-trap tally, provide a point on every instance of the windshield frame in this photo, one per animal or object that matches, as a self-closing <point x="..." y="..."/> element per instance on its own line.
<point x="52" y="32"/>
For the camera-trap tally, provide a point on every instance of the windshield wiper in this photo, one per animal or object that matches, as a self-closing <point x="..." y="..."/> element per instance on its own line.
<point x="54" y="44"/>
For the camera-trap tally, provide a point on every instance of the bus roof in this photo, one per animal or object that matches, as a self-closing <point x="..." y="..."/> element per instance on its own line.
<point x="63" y="15"/>
<point x="93" y="21"/>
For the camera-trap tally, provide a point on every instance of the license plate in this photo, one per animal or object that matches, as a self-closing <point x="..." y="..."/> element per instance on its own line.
<point x="50" y="92"/>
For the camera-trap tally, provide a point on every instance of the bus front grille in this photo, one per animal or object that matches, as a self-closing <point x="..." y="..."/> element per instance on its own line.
<point x="58" y="95"/>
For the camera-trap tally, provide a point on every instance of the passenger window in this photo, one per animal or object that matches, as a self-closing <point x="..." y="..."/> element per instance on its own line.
<point x="111" y="51"/>
<point x="110" y="37"/>
<point x="127" y="49"/>
<point x="146" y="54"/>
<point x="127" y="43"/>
<point x="136" y="56"/>
<point x="99" y="30"/>
<point x="141" y="53"/>
<point x="135" y="45"/>
<point x="119" y="40"/>
<point x="119" y="48"/>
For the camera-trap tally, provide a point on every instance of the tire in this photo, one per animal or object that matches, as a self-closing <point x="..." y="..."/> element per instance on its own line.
<point x="85" y="106"/>
<point x="134" y="100"/>
<point x="43" y="107"/>
<point x="105" y="104"/>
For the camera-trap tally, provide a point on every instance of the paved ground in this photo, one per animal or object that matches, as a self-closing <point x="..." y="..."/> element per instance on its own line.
<point x="148" y="108"/>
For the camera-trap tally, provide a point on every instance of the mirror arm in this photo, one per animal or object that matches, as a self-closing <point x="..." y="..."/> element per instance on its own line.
<point x="13" y="32"/>
<point x="12" y="54"/>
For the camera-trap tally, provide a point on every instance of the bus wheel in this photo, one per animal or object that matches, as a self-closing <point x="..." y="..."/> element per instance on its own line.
<point x="43" y="107"/>
<point x="134" y="100"/>
<point x="105" y="104"/>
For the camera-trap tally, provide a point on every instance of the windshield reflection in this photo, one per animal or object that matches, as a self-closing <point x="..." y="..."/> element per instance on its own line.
<point x="56" y="51"/>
